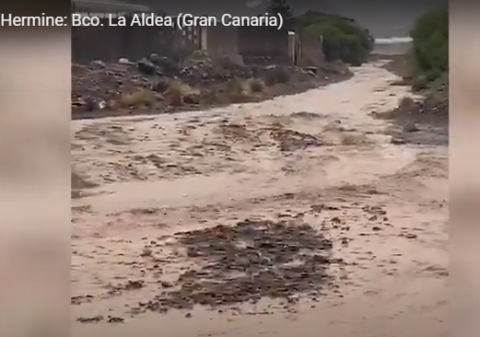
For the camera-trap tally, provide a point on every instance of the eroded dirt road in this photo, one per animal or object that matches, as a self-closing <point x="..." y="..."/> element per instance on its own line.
<point x="288" y="217"/>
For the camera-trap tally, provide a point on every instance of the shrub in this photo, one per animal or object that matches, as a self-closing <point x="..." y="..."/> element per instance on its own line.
<point x="430" y="44"/>
<point x="237" y="90"/>
<point x="406" y="103"/>
<point x="235" y="86"/>
<point x="277" y="75"/>
<point x="343" y="39"/>
<point x="256" y="86"/>
<point x="419" y="83"/>
<point x="200" y="55"/>
<point x="139" y="98"/>
<point x="176" y="92"/>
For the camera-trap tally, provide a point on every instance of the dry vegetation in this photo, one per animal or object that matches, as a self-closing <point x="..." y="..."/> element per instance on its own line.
<point x="136" y="99"/>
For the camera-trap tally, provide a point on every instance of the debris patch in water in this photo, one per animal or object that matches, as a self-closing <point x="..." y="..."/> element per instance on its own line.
<point x="247" y="262"/>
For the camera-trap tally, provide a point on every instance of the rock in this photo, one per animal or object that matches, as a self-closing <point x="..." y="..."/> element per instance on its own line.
<point x="166" y="284"/>
<point x="146" y="67"/>
<point x="92" y="104"/>
<point x="146" y="252"/>
<point x="97" y="64"/>
<point x="411" y="127"/>
<point x="102" y="104"/>
<point x="306" y="115"/>
<point x="115" y="319"/>
<point x="125" y="61"/>
<point x="94" y="319"/>
<point x="397" y="141"/>
<point x="154" y="58"/>
<point x="167" y="66"/>
<point x="132" y="285"/>
<point x="312" y="70"/>
<point x="192" y="98"/>
<point x="409" y="235"/>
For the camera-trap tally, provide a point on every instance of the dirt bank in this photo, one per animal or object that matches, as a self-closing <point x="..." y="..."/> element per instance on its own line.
<point x="158" y="85"/>
<point x="421" y="116"/>
<point x="290" y="216"/>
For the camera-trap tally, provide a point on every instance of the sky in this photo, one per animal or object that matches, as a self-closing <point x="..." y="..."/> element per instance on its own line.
<point x="384" y="19"/>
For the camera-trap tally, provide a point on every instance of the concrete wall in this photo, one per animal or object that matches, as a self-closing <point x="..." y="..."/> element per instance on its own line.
<point x="221" y="42"/>
<point x="263" y="45"/>
<point x="250" y="45"/>
<point x="309" y="51"/>
<point x="109" y="43"/>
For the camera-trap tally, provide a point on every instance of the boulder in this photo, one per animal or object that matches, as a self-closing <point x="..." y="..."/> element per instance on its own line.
<point x="125" y="61"/>
<point x="192" y="98"/>
<point x="146" y="67"/>
<point x="98" y="64"/>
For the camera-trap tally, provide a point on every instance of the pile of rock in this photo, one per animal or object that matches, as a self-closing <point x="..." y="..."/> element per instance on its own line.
<point x="158" y="83"/>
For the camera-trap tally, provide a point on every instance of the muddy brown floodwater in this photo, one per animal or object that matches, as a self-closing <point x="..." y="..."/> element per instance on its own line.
<point x="293" y="216"/>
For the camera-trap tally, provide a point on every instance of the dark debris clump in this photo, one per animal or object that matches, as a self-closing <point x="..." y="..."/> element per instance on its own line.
<point x="246" y="262"/>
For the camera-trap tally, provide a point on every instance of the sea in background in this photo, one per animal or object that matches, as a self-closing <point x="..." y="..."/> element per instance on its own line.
<point x="392" y="45"/>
